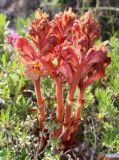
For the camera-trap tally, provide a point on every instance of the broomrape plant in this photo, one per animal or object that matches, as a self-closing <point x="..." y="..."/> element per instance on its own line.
<point x="65" y="49"/>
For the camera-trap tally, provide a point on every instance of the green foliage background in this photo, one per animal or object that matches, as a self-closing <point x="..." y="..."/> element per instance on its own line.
<point x="100" y="114"/>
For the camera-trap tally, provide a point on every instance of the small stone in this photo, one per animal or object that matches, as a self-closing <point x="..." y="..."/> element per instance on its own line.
<point x="109" y="156"/>
<point x="2" y="103"/>
<point x="3" y="3"/>
<point x="65" y="157"/>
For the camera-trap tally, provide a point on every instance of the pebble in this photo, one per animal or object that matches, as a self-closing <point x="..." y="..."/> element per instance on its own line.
<point x="3" y="3"/>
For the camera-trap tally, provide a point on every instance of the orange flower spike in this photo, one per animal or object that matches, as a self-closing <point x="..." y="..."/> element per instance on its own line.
<point x="68" y="18"/>
<point x="41" y="21"/>
<point x="62" y="25"/>
<point x="42" y="34"/>
<point x="90" y="27"/>
<point x="39" y="29"/>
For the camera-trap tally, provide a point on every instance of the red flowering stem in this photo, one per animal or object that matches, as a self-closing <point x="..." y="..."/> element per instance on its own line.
<point x="59" y="95"/>
<point x="78" y="109"/>
<point x="89" y="81"/>
<point x="40" y="102"/>
<point x="68" y="108"/>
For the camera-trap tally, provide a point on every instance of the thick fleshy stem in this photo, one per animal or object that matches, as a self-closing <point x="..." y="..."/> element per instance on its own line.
<point x="78" y="110"/>
<point x="68" y="108"/>
<point x="40" y="101"/>
<point x="71" y="130"/>
<point x="59" y="95"/>
<point x="73" y="86"/>
<point x="87" y="82"/>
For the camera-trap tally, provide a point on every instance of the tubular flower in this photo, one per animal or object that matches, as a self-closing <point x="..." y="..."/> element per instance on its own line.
<point x="62" y="25"/>
<point x="80" y="40"/>
<point x="35" y="69"/>
<point x="29" y="57"/>
<point x="96" y="59"/>
<point x="67" y="61"/>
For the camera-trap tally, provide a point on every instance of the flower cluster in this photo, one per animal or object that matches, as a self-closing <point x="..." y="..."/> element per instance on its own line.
<point x="65" y="49"/>
<point x="12" y="38"/>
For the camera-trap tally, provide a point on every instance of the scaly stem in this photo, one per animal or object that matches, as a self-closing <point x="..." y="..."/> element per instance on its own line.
<point x="68" y="108"/>
<point x="78" y="110"/>
<point x="87" y="82"/>
<point x="67" y="118"/>
<point x="59" y="95"/>
<point x="40" y="101"/>
<point x="70" y="130"/>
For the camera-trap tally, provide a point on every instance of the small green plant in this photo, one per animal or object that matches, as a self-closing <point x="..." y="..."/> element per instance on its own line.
<point x="2" y="27"/>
